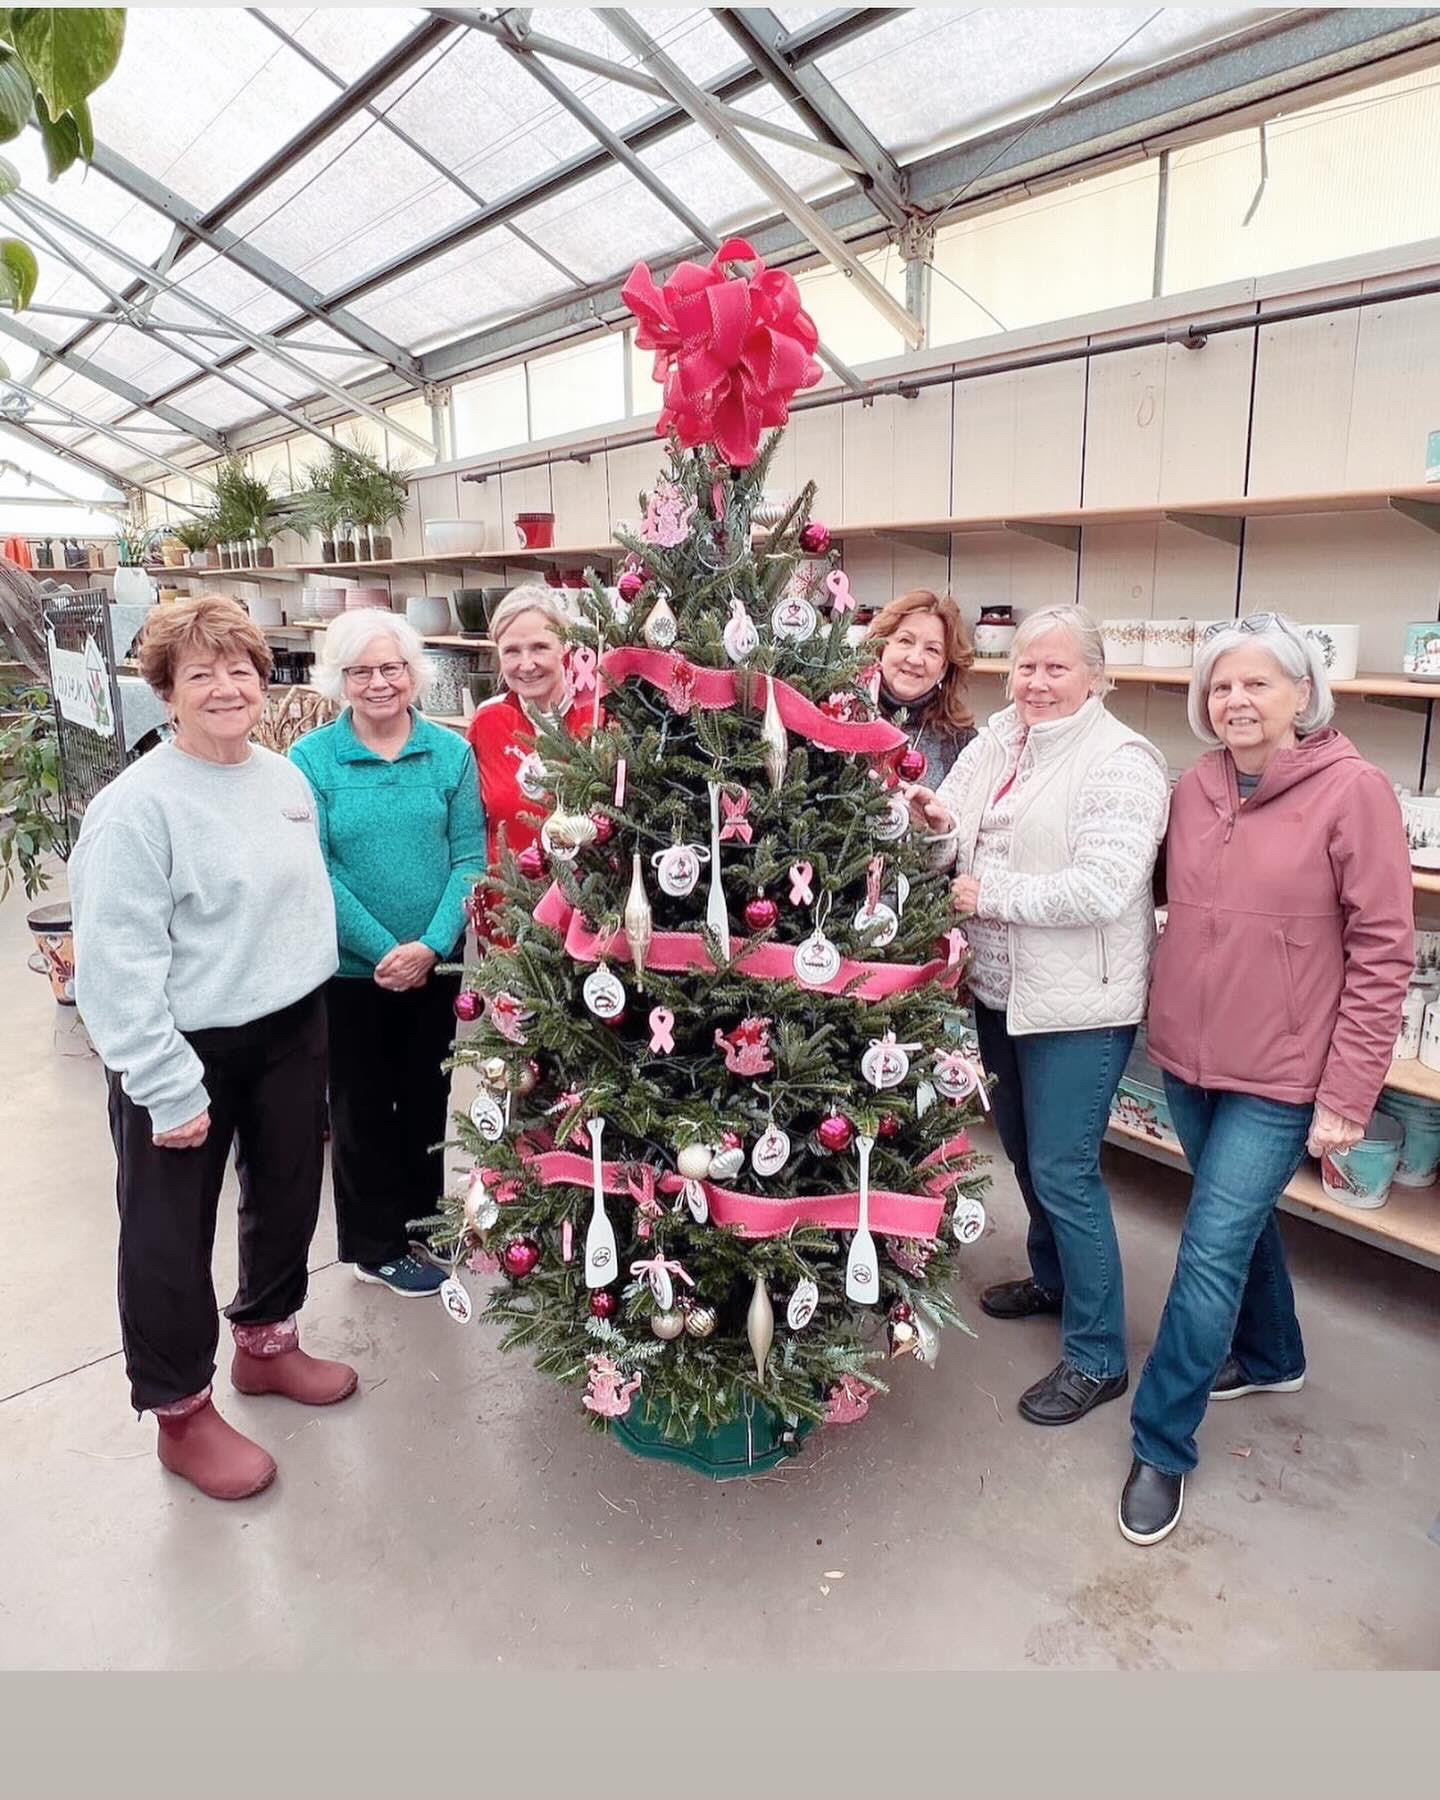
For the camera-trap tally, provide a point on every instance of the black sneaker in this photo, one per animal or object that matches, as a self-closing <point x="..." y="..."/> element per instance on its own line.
<point x="1018" y="1300"/>
<point x="1066" y="1395"/>
<point x="1231" y="1383"/>
<point x="1150" y="1503"/>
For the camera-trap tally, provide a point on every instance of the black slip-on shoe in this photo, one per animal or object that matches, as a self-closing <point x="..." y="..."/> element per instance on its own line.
<point x="1065" y="1395"/>
<point x="1150" y="1503"/>
<point x="1018" y="1300"/>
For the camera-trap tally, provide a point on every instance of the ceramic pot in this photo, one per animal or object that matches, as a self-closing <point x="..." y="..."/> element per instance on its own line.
<point x="471" y="610"/>
<point x="327" y="549"/>
<point x="449" y="669"/>
<point x="453" y="537"/>
<point x="133" y="587"/>
<point x="199" y="559"/>
<point x="357" y="598"/>
<point x="1124" y="641"/>
<point x="1339" y="647"/>
<point x="1169" y="643"/>
<point x="995" y="631"/>
<point x="1361" y="1176"/>
<point x="429" y="614"/>
<point x="265" y="556"/>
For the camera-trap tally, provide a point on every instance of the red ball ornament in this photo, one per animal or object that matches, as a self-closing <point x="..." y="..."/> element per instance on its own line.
<point x="630" y="586"/>
<point x="835" y="1133"/>
<point x="519" y="1257"/>
<point x="815" y="538"/>
<point x="467" y="1006"/>
<point x="604" y="827"/>
<point x="760" y="913"/>
<point x="888" y="1127"/>
<point x="912" y="765"/>
<point x="604" y="1303"/>
<point x="732" y="1140"/>
<point x="531" y="862"/>
<point x="902" y="1312"/>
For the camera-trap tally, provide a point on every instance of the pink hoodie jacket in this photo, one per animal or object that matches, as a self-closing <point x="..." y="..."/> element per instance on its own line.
<point x="1291" y="933"/>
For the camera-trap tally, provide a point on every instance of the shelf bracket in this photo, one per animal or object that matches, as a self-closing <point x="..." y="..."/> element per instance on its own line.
<point x="1063" y="537"/>
<point x="1400" y="702"/>
<point x="1220" y="526"/>
<point x="1423" y="512"/>
<point x="935" y="543"/>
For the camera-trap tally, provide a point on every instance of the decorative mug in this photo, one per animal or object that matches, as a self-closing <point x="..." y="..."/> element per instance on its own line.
<point x="995" y="631"/>
<point x="1169" y="643"/>
<point x="1124" y="641"/>
<point x="1422" y="651"/>
<point x="1421" y="813"/>
<point x="1339" y="647"/>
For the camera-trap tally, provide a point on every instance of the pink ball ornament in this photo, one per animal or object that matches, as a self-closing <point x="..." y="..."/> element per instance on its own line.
<point x="835" y="1133"/>
<point x="520" y="1257"/>
<point x="912" y="765"/>
<point x="604" y="827"/>
<point x="604" y="1303"/>
<point x="889" y="1127"/>
<point x="531" y="862"/>
<point x="815" y="538"/>
<point x="760" y="913"/>
<point x="630" y="586"/>
<point x="467" y="1006"/>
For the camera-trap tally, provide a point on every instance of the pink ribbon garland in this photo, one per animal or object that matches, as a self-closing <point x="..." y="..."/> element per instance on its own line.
<point x="673" y="952"/>
<point x="757" y="1216"/>
<point x="715" y="689"/>
<point x="731" y="351"/>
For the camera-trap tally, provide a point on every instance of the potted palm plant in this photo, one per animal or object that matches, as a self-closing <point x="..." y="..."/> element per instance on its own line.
<point x="199" y="538"/>
<point x="380" y="496"/>
<point x="325" y="499"/>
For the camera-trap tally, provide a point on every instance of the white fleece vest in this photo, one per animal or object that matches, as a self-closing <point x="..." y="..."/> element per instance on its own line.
<point x="1062" y="978"/>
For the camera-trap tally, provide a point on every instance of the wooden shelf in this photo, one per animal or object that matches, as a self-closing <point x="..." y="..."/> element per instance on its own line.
<point x="1425" y="883"/>
<point x="451" y="642"/>
<point x="558" y="553"/>
<point x="1393" y="686"/>
<point x="1408" y="1224"/>
<point x="1412" y="1077"/>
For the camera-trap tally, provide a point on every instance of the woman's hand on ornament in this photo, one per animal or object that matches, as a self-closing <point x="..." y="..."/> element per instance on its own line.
<point x="1330" y="1131"/>
<point x="965" y="895"/>
<point x="406" y="966"/>
<point x="189" y="1136"/>
<point x="927" y="813"/>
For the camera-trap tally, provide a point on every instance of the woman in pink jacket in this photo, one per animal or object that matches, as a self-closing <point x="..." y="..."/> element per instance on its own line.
<point x="1274" y="1003"/>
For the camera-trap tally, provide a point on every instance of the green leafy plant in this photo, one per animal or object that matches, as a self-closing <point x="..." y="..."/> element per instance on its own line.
<point x="325" y="495"/>
<point x="32" y="822"/>
<point x="198" y="533"/>
<point x="379" y="494"/>
<point x="137" y="542"/>
<point x="52" y="59"/>
<point x="246" y="506"/>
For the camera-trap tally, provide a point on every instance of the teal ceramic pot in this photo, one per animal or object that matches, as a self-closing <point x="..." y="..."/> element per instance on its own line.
<point x="1361" y="1176"/>
<point x="1419" y="1162"/>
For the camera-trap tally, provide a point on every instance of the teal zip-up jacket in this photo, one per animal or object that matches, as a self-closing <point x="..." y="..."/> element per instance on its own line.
<point x="404" y="841"/>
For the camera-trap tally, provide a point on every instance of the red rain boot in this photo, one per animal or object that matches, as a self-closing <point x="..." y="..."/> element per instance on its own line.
<point x="269" y="1360"/>
<point x="210" y="1454"/>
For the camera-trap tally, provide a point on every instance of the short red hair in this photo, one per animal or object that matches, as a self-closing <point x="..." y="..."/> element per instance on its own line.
<point x="211" y="622"/>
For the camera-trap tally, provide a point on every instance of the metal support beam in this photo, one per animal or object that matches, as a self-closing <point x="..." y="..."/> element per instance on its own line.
<point x="114" y="384"/>
<point x="622" y="74"/>
<point x="639" y="170"/>
<point x="759" y="33"/>
<point x="10" y="384"/>
<point x="28" y="207"/>
<point x="25" y="428"/>
<point x="917" y="246"/>
<point x="695" y="101"/>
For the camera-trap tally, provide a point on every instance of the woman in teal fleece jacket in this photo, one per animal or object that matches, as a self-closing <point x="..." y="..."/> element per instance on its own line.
<point x="403" y="837"/>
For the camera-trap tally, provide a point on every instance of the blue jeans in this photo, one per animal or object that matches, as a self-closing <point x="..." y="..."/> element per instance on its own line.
<point x="1231" y="1294"/>
<point x="1052" y="1105"/>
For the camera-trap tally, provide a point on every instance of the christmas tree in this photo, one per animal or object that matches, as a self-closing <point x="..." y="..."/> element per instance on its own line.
<point x="719" y="1150"/>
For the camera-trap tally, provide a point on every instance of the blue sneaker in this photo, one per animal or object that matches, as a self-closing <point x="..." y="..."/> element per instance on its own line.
<point x="407" y="1274"/>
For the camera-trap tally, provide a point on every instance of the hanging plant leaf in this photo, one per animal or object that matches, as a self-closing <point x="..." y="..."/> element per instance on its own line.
<point x="9" y="177"/>
<point x="16" y="96"/>
<point x="61" y="138"/>
<point x="69" y="51"/>
<point x="19" y="272"/>
<point x="80" y="113"/>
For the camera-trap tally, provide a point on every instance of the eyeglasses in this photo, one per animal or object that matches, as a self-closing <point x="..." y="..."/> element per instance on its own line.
<point x="363" y="674"/>
<point x="1268" y="621"/>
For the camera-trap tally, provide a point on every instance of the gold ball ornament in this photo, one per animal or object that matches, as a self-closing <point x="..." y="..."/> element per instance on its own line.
<point x="493" y="1071"/>
<point x="669" y="1324"/>
<point x="700" y="1321"/>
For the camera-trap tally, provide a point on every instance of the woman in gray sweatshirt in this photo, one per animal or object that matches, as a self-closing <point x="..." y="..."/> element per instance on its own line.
<point x="205" y="932"/>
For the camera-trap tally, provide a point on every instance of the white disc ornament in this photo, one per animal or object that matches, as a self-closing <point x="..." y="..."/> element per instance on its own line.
<point x="604" y="993"/>
<point x="895" y="821"/>
<point x="771" y="1152"/>
<point x="530" y="777"/>
<point x="882" y="920"/>
<point x="803" y="1303"/>
<point x="727" y="1162"/>
<point x="816" y="960"/>
<point x="885" y="1064"/>
<point x="677" y="870"/>
<point x="794" y="619"/>
<point x="969" y="1219"/>
<point x="488" y="1117"/>
<point x="695" y="1198"/>
<point x="662" y="1288"/>
<point x="455" y="1298"/>
<point x="564" y="835"/>
<point x="956" y="1076"/>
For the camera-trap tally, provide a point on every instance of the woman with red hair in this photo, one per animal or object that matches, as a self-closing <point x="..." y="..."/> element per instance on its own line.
<point x="925" y="657"/>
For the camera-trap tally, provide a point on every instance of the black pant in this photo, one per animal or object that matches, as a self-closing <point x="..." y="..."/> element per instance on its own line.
<point x="389" y="1103"/>
<point x="266" y="1082"/>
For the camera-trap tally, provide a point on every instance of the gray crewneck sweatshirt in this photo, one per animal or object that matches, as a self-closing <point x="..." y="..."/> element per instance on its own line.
<point x="200" y="898"/>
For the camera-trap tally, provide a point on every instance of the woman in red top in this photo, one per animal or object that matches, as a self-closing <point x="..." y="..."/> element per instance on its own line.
<point x="529" y="633"/>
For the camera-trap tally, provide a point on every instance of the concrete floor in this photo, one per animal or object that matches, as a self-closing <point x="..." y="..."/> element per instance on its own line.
<point x="459" y="1512"/>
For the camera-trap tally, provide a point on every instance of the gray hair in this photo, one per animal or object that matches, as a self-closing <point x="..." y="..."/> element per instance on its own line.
<point x="1089" y="639"/>
<point x="529" y="598"/>
<point x="348" y="636"/>
<point x="1287" y="645"/>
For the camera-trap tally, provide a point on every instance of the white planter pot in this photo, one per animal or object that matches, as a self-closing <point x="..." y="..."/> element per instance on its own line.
<point x="1169" y="643"/>
<point x="1339" y="647"/>
<point x="429" y="614"/>
<point x="1124" y="641"/>
<point x="133" y="587"/>
<point x="451" y="537"/>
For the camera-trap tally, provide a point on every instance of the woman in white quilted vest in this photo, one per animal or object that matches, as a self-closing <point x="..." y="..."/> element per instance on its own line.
<point x="1058" y="810"/>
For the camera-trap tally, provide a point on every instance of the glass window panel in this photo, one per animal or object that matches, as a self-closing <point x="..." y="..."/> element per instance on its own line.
<point x="1035" y="261"/>
<point x="597" y="225"/>
<point x="490" y="412"/>
<point x="215" y="402"/>
<point x="347" y="39"/>
<point x="476" y="284"/>
<point x="25" y="453"/>
<point x="271" y="462"/>
<point x="579" y="387"/>
<point x="415" y="416"/>
<point x="848" y="324"/>
<point x="645" y="393"/>
<point x="712" y="184"/>
<point x="1342" y="182"/>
